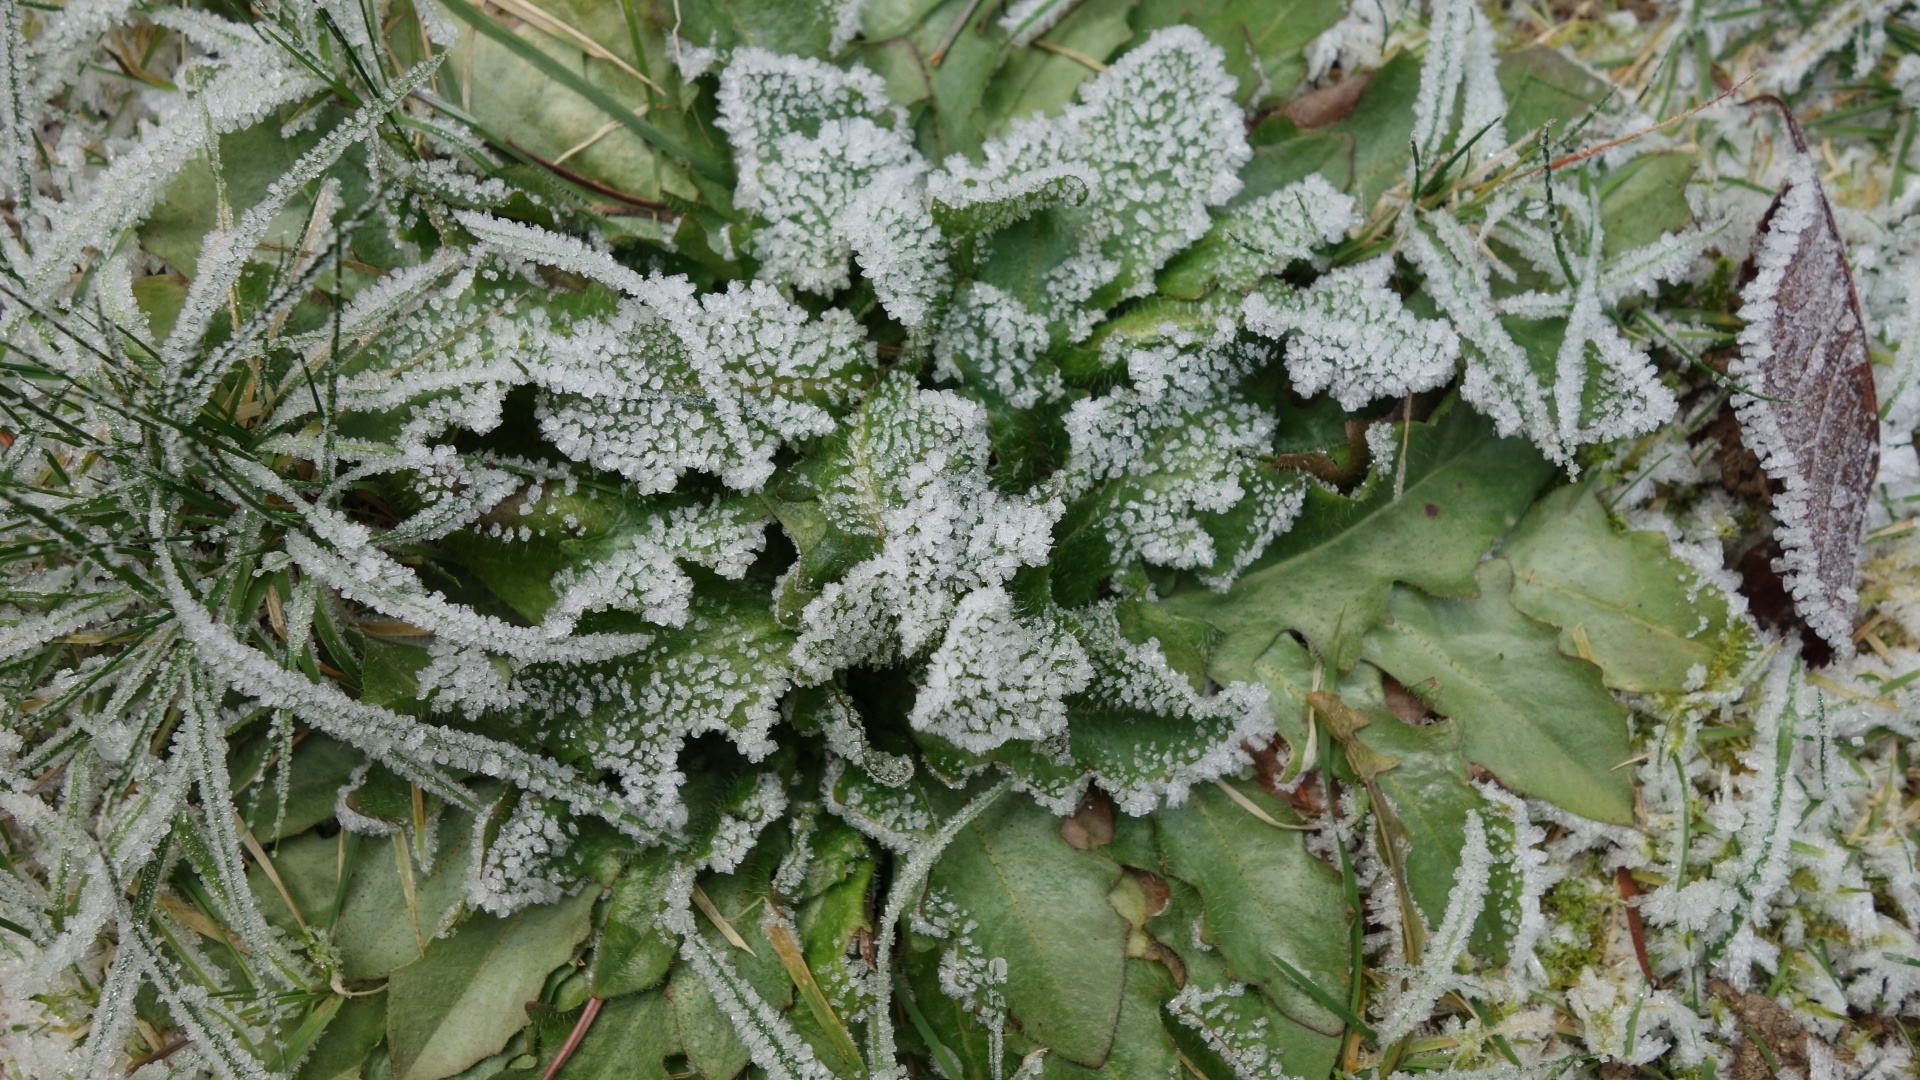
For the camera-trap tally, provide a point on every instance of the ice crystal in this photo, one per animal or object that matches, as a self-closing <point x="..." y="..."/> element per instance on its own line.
<point x="1349" y="335"/>
<point x="998" y="675"/>
<point x="1158" y="140"/>
<point x="911" y="477"/>
<point x="1174" y="462"/>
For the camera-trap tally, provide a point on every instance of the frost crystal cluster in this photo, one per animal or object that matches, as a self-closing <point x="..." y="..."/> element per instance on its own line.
<point x="660" y="539"/>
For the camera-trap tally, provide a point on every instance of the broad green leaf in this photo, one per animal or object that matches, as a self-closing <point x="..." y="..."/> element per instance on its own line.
<point x="1540" y="720"/>
<point x="354" y="1032"/>
<point x="634" y="953"/>
<point x="461" y="1001"/>
<point x="1364" y="154"/>
<point x="377" y="931"/>
<point x="1330" y="576"/>
<point x="631" y="1039"/>
<point x="1542" y="86"/>
<point x="320" y="767"/>
<point x="1142" y="1048"/>
<point x="705" y="1033"/>
<point x="1644" y="199"/>
<point x="1261" y="892"/>
<point x="1431" y="798"/>
<point x="1042" y="907"/>
<point x="1263" y="38"/>
<point x="1252" y="1024"/>
<point x="250" y="159"/>
<point x="1648" y="619"/>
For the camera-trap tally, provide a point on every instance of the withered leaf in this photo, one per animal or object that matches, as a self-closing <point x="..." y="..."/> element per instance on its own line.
<point x="1813" y="418"/>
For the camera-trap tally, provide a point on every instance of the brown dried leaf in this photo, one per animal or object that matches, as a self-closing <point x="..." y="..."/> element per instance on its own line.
<point x="1817" y="428"/>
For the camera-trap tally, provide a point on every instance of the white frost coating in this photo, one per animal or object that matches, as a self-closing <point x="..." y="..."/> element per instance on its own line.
<point x="530" y="862"/>
<point x="1162" y="139"/>
<point x="1350" y="335"/>
<point x="1838" y="25"/>
<point x="990" y="336"/>
<point x="1234" y="1026"/>
<point x="829" y="163"/>
<point x="645" y="575"/>
<point x="1176" y="738"/>
<point x="247" y="87"/>
<point x="1000" y="674"/>
<point x="1028" y="19"/>
<point x="1823" y="590"/>
<point x="719" y="384"/>
<point x="1177" y="459"/>
<point x="1435" y="975"/>
<point x="915" y="480"/>
<point x="1281" y="227"/>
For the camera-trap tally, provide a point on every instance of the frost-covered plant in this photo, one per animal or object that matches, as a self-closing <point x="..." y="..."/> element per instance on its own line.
<point x="872" y="546"/>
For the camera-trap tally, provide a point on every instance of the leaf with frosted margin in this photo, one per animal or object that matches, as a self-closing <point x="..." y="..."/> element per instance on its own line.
<point x="723" y="672"/>
<point x="1253" y="239"/>
<point x="1330" y="576"/>
<point x="1139" y="729"/>
<point x="1169" y="470"/>
<point x="717" y="384"/>
<point x="1042" y="907"/>
<point x="1349" y="335"/>
<point x="907" y="482"/>
<point x="1817" y="430"/>
<point x="998" y="675"/>
<point x="1538" y="719"/>
<point x="1431" y="798"/>
<point x="972" y="206"/>
<point x="1161" y="141"/>
<point x="705" y="1033"/>
<point x="1652" y="623"/>
<point x="829" y="163"/>
<point x="464" y="998"/>
<point x="1261" y="892"/>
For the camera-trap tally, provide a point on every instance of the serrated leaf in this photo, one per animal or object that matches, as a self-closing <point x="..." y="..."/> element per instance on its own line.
<point x="1540" y="720"/>
<point x="1261" y="892"/>
<point x="1646" y="618"/>
<point x="1041" y="906"/>
<point x="1330" y="576"/>
<point x="461" y="1001"/>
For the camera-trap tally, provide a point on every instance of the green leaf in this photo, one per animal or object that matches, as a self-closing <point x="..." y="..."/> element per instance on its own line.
<point x="466" y="997"/>
<point x="1648" y="619"/>
<point x="1263" y="38"/>
<point x="377" y="931"/>
<point x="1645" y="199"/>
<point x="1042" y="907"/>
<point x="634" y="953"/>
<point x="1142" y="1048"/>
<point x="1539" y="720"/>
<point x="1261" y="892"/>
<point x="706" y="1035"/>
<point x="319" y="768"/>
<point x="1329" y="577"/>
<point x="1033" y="79"/>
<point x="352" y="1035"/>
<point x="630" y="1040"/>
<point x="1542" y="86"/>
<point x="1431" y="798"/>
<point x="606" y="102"/>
